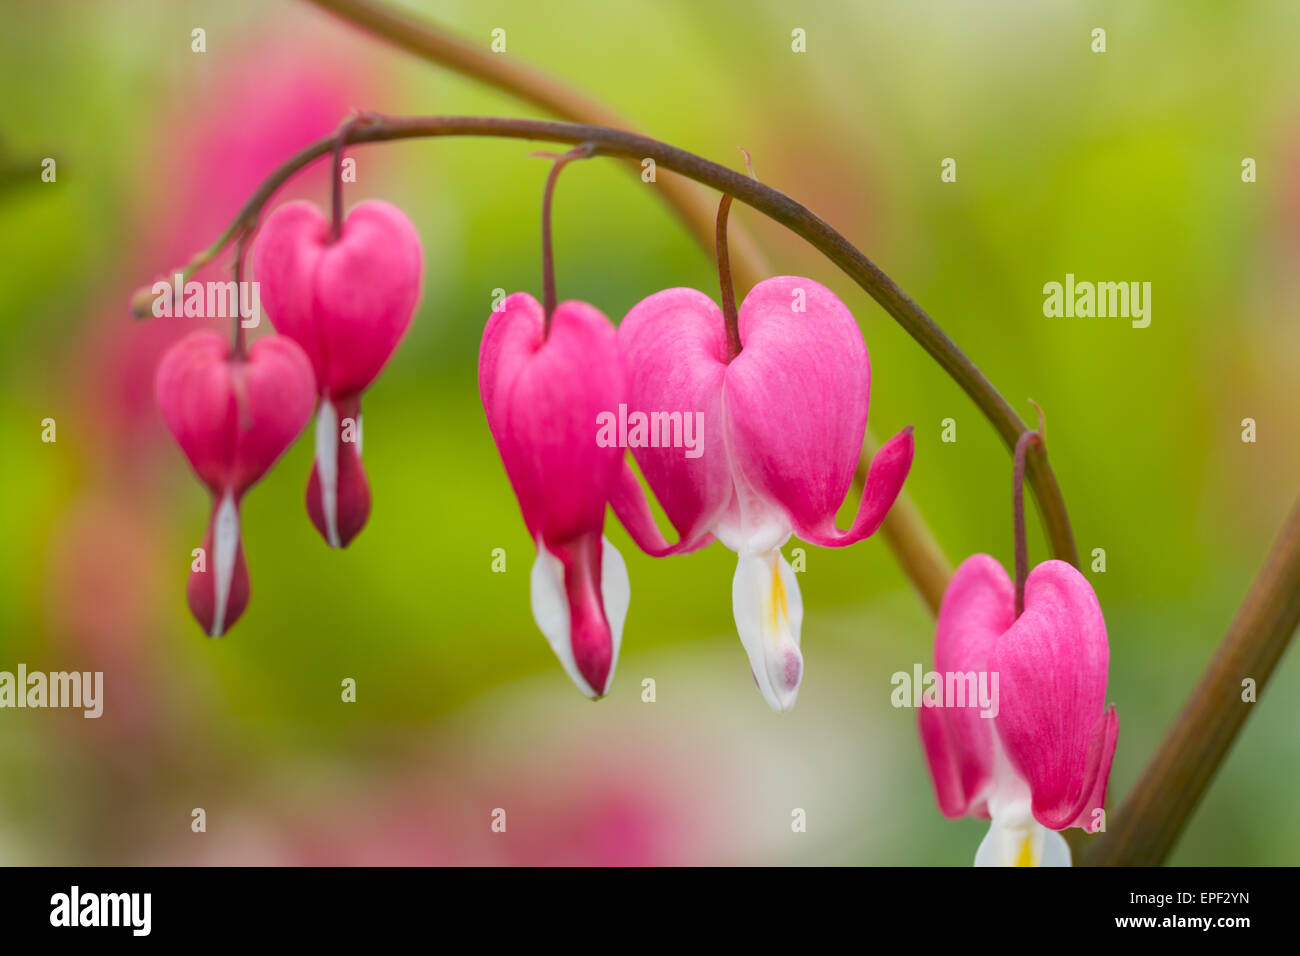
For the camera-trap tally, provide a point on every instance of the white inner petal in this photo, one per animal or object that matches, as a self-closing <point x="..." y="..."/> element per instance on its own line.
<point x="551" y="612"/>
<point x="550" y="606"/>
<point x="327" y="467"/>
<point x="750" y="523"/>
<point x="1021" y="843"/>
<point x="616" y="595"/>
<point x="768" y="608"/>
<point x="1056" y="852"/>
<point x="225" y="547"/>
<point x="1015" y="838"/>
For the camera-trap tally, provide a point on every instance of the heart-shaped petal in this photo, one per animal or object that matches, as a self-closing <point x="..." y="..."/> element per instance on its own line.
<point x="978" y="607"/>
<point x="1054" y="723"/>
<point x="1052" y="738"/>
<point x="796" y="399"/>
<point x="347" y="302"/>
<point x="675" y="349"/>
<point x="543" y="399"/>
<point x="783" y="423"/>
<point x="234" y="417"/>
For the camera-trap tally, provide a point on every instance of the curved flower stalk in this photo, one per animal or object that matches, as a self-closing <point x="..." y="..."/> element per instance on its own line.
<point x="542" y="391"/>
<point x="781" y="428"/>
<point x="1036" y="760"/>
<point x="346" y="296"/>
<point x="233" y="416"/>
<point x="929" y="575"/>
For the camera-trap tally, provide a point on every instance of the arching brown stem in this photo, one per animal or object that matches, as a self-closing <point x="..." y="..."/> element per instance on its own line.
<point x="772" y="203"/>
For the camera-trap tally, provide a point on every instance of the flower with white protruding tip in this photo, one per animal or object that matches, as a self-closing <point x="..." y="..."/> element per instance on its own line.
<point x="542" y="392"/>
<point x="233" y="416"/>
<point x="348" y="301"/>
<point x="1042" y="763"/>
<point x="783" y="424"/>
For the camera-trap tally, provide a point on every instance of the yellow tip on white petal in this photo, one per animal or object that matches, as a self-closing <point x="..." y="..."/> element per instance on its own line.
<point x="1022" y="844"/>
<point x="1026" y="856"/>
<point x="778" y="615"/>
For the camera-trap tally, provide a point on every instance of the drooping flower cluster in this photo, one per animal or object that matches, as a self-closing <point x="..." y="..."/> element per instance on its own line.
<point x="341" y="305"/>
<point x="756" y="419"/>
<point x="783" y="424"/>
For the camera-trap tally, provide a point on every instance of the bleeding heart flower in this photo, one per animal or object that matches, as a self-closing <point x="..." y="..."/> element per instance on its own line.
<point x="233" y="417"/>
<point x="347" y="302"/>
<point x="783" y="427"/>
<point x="542" y="393"/>
<point x="1041" y="762"/>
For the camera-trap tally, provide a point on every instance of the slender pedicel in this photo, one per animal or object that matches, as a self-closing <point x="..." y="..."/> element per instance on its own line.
<point x="1018" y="506"/>
<point x="581" y="151"/>
<point x="724" y="280"/>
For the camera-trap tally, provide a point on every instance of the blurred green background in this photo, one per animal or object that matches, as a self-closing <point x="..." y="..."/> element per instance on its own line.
<point x="1117" y="166"/>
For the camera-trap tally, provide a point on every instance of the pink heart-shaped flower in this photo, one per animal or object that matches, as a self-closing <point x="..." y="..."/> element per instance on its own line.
<point x="348" y="302"/>
<point x="780" y="430"/>
<point x="233" y="417"/>
<point x="543" y="395"/>
<point x="1038" y="756"/>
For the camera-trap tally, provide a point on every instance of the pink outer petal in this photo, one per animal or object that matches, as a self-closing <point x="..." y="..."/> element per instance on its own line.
<point x="277" y="380"/>
<point x="193" y="389"/>
<point x="796" y="401"/>
<point x="1052" y="665"/>
<point x="286" y="257"/>
<point x="1101" y="753"/>
<point x="633" y="510"/>
<point x="233" y="419"/>
<point x="977" y="608"/>
<point x="347" y="303"/>
<point x="542" y="400"/>
<point x="885" y="479"/>
<point x="674" y="346"/>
